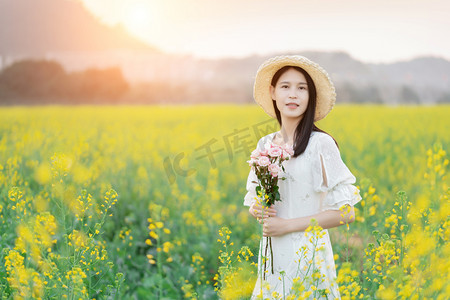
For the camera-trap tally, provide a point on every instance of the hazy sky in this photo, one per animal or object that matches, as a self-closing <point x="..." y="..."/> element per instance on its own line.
<point x="372" y="31"/>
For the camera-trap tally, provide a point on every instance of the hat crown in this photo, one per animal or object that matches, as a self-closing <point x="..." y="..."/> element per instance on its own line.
<point x="296" y="60"/>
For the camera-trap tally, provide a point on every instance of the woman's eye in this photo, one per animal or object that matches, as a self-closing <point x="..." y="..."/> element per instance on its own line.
<point x="284" y="86"/>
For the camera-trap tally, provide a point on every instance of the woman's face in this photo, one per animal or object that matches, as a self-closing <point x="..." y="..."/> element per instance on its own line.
<point x="291" y="94"/>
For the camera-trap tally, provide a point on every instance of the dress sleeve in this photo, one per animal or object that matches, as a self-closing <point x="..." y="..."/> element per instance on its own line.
<point x="331" y="175"/>
<point x="249" y="198"/>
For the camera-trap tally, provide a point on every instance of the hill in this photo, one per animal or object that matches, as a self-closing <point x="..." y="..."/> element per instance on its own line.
<point x="38" y="27"/>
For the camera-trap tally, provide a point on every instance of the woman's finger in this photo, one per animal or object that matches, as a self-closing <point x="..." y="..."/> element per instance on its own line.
<point x="266" y="214"/>
<point x="255" y="210"/>
<point x="268" y="210"/>
<point x="265" y="231"/>
<point x="260" y="212"/>
<point x="269" y="214"/>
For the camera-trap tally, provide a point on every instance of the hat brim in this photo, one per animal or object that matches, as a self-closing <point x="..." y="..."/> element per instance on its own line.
<point x="326" y="93"/>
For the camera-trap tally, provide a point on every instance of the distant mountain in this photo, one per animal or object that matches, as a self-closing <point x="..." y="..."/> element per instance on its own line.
<point x="419" y="72"/>
<point x="37" y="27"/>
<point x="425" y="78"/>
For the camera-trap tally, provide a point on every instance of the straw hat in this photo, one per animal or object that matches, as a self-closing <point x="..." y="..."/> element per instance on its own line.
<point x="326" y="94"/>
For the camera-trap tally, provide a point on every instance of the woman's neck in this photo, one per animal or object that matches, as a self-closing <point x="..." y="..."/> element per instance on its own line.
<point x="288" y="130"/>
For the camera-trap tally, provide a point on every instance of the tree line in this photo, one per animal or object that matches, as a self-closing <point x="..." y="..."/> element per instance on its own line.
<point x="30" y="82"/>
<point x="44" y="81"/>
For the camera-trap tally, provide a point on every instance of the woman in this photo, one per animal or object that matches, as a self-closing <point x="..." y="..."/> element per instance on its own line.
<point x="298" y="92"/>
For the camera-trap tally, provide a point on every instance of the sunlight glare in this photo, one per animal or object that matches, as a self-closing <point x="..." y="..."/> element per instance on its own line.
<point x="137" y="18"/>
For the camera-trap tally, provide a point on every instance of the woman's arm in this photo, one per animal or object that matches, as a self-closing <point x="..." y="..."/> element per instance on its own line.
<point x="275" y="226"/>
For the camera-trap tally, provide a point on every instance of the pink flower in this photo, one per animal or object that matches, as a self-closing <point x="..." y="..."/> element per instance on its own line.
<point x="252" y="162"/>
<point x="263" y="161"/>
<point x="288" y="149"/>
<point x="255" y="154"/>
<point x="275" y="151"/>
<point x="274" y="168"/>
<point x="263" y="153"/>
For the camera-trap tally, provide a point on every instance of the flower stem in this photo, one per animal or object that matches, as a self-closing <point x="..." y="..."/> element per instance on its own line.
<point x="265" y="261"/>
<point x="271" y="253"/>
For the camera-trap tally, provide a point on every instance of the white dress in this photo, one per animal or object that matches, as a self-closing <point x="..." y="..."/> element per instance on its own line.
<point x="305" y="193"/>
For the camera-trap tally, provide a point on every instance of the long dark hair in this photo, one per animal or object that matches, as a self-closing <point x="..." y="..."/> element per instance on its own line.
<point x="306" y="126"/>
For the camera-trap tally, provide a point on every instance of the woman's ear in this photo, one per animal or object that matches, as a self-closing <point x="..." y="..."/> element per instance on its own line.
<point x="272" y="92"/>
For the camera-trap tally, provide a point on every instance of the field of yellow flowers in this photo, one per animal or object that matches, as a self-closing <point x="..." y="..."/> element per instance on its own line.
<point x="147" y="202"/>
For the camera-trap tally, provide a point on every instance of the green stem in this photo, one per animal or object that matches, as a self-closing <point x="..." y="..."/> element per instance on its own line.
<point x="159" y="269"/>
<point x="347" y="236"/>
<point x="260" y="249"/>
<point x="401" y="233"/>
<point x="265" y="261"/>
<point x="271" y="252"/>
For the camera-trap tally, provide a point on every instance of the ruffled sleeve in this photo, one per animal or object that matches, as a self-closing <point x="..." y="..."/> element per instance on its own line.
<point x="249" y="198"/>
<point x="331" y="175"/>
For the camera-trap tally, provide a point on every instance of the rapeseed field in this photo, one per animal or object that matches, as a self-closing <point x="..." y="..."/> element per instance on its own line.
<point x="146" y="202"/>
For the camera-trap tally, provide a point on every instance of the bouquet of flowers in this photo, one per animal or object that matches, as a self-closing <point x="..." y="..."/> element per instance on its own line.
<point x="267" y="165"/>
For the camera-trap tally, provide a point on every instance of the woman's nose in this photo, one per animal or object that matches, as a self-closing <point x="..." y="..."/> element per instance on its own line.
<point x="292" y="93"/>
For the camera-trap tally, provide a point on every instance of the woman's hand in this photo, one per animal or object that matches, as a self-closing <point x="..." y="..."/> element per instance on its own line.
<point x="275" y="226"/>
<point x="256" y="210"/>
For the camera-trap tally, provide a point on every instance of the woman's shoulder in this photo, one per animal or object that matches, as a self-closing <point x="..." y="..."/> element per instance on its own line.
<point x="322" y="140"/>
<point x="319" y="136"/>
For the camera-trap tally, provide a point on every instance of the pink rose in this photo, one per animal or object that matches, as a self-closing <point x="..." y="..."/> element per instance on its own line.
<point x="274" y="169"/>
<point x="263" y="153"/>
<point x="263" y="161"/>
<point x="288" y="149"/>
<point x="255" y="154"/>
<point x="275" y="151"/>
